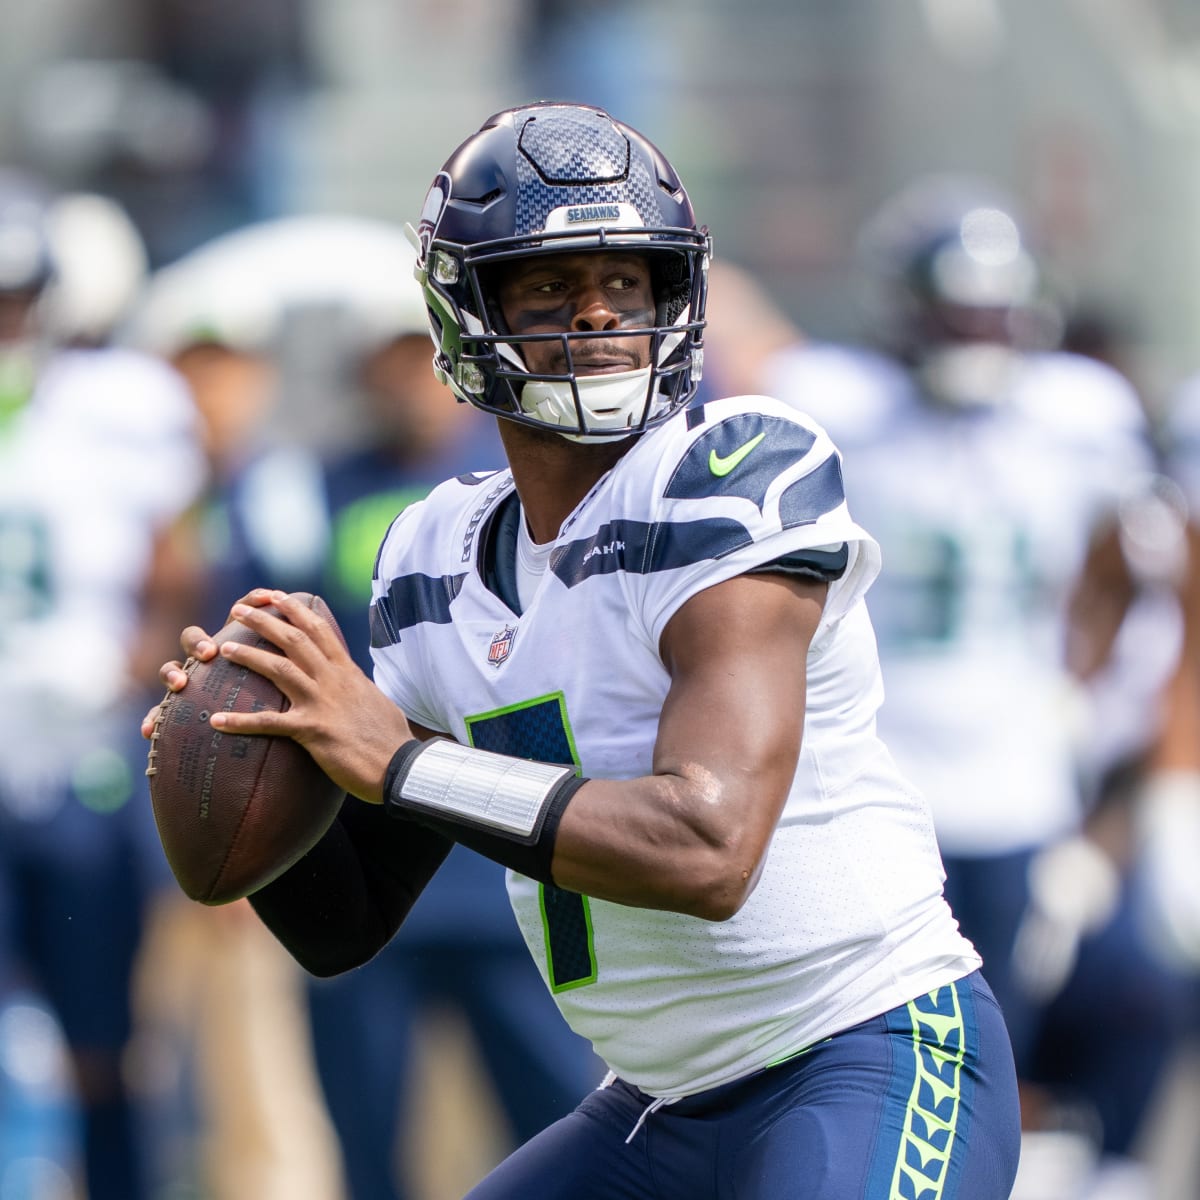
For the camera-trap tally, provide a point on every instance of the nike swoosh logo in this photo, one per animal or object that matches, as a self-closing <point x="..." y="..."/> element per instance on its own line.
<point x="722" y="466"/>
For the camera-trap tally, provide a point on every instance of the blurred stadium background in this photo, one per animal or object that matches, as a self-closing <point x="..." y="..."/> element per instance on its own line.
<point x="790" y="119"/>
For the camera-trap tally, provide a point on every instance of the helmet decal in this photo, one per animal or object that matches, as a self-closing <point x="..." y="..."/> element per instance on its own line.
<point x="431" y="211"/>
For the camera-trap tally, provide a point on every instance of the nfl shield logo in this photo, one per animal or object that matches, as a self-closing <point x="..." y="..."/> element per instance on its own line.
<point x="501" y="645"/>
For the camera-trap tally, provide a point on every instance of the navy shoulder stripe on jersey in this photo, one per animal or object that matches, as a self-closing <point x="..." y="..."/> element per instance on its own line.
<point x="813" y="495"/>
<point x="739" y="456"/>
<point x="644" y="547"/>
<point x="411" y="600"/>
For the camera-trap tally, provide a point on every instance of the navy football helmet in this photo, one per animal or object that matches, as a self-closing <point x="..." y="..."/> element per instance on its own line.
<point x="552" y="178"/>
<point x="953" y="289"/>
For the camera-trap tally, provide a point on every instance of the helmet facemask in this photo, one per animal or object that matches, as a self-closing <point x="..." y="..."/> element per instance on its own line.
<point x="585" y="406"/>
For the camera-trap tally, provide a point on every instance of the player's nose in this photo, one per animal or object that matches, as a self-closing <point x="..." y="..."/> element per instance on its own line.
<point x="594" y="312"/>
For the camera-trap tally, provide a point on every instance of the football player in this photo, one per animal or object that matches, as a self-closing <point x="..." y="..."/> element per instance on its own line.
<point x="636" y="668"/>
<point x="98" y="453"/>
<point x="1003" y="479"/>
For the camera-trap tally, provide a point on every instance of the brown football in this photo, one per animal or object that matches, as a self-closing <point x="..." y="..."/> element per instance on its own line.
<point x="234" y="811"/>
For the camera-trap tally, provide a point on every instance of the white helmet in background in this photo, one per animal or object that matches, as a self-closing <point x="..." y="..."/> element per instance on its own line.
<point x="102" y="266"/>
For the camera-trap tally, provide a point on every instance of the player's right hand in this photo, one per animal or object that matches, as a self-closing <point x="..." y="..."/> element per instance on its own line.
<point x="197" y="644"/>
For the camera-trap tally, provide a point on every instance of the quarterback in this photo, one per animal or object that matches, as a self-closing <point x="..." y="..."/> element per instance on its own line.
<point x="635" y="667"/>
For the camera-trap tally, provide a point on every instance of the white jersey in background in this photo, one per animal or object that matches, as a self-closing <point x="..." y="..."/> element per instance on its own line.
<point x="104" y="453"/>
<point x="848" y="919"/>
<point x="984" y="516"/>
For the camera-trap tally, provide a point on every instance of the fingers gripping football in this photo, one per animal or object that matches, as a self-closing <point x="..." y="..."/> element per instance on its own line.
<point x="334" y="710"/>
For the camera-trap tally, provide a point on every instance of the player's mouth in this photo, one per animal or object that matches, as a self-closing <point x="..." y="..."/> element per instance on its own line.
<point x="602" y="360"/>
<point x="602" y="368"/>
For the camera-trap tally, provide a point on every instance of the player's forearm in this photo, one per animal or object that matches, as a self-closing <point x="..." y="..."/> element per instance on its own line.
<point x="683" y="839"/>
<point x="342" y="902"/>
<point x="682" y="843"/>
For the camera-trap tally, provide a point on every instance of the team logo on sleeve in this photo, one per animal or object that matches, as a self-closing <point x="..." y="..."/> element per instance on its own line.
<point x="501" y="646"/>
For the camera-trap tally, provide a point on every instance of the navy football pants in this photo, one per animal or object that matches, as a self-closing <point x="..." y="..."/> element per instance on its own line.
<point x="918" y="1104"/>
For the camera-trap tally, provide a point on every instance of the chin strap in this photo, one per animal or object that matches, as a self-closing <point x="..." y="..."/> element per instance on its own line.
<point x="610" y="403"/>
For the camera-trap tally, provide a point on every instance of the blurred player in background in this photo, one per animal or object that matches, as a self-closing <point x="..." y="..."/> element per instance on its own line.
<point x="98" y="453"/>
<point x="1168" y="809"/>
<point x="1004" y="481"/>
<point x="747" y="924"/>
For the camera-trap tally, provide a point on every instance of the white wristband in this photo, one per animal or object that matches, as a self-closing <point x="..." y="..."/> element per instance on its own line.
<point x="496" y="792"/>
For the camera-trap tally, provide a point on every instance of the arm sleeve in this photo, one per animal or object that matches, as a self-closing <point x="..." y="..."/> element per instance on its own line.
<point x="343" y="901"/>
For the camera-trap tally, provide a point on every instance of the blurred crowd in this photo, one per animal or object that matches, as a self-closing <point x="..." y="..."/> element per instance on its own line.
<point x="200" y="397"/>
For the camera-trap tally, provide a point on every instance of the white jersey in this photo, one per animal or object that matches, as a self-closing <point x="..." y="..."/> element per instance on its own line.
<point x="848" y="918"/>
<point x="984" y="517"/>
<point x="102" y="455"/>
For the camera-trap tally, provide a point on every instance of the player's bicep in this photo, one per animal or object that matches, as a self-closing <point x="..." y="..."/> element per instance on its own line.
<point x="692" y="836"/>
<point x="737" y="655"/>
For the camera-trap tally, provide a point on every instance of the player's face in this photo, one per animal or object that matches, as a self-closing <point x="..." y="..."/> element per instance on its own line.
<point x="589" y="292"/>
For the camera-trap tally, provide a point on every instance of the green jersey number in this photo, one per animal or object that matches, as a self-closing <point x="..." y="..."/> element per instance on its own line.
<point x="539" y="729"/>
<point x="946" y="587"/>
